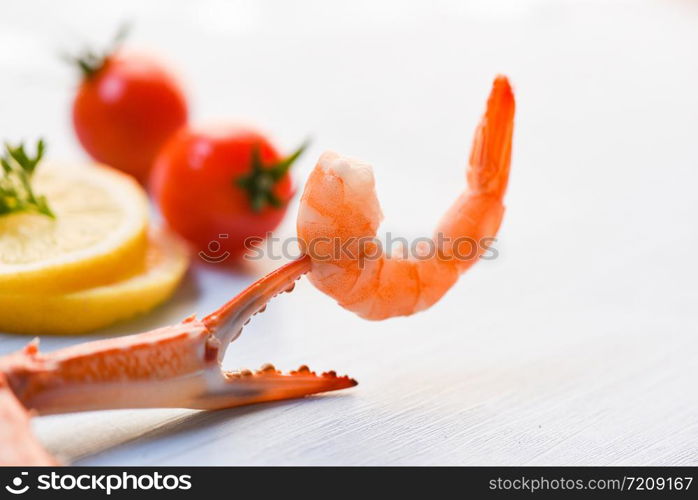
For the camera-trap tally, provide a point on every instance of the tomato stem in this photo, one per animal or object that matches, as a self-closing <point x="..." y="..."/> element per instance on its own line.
<point x="260" y="182"/>
<point x="90" y="61"/>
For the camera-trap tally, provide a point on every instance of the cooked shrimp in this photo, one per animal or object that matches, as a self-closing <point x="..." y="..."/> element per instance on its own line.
<point x="339" y="215"/>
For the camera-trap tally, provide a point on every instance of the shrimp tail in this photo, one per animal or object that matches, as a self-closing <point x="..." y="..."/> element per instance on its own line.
<point x="488" y="172"/>
<point x="477" y="214"/>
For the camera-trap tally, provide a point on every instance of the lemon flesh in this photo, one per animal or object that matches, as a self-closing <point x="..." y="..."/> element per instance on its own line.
<point x="99" y="232"/>
<point x="93" y="308"/>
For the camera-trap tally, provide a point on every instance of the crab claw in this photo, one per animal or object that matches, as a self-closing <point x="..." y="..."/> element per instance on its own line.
<point x="176" y="366"/>
<point x="225" y="324"/>
<point x="267" y="384"/>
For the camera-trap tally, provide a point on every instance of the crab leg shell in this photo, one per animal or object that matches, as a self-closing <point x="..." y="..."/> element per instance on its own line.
<point x="19" y="446"/>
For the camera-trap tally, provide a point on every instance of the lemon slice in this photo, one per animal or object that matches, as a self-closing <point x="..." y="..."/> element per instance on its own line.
<point x="99" y="232"/>
<point x="86" y="310"/>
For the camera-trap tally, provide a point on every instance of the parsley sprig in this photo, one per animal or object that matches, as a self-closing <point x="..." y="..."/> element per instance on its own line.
<point x="16" y="193"/>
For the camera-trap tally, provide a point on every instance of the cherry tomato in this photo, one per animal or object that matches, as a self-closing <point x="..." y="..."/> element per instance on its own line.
<point x="219" y="186"/>
<point x="126" y="107"/>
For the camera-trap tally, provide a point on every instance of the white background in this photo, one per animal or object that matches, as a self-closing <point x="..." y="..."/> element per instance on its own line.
<point x="577" y="346"/>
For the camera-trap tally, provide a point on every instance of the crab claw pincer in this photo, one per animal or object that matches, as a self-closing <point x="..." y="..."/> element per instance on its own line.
<point x="176" y="366"/>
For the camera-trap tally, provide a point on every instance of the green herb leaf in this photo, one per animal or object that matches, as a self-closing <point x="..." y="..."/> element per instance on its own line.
<point x="16" y="193"/>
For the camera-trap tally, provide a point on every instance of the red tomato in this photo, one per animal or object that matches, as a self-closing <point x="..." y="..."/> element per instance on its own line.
<point x="125" y="109"/>
<point x="219" y="186"/>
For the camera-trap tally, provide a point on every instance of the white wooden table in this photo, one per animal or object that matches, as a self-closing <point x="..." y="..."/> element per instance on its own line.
<point x="579" y="345"/>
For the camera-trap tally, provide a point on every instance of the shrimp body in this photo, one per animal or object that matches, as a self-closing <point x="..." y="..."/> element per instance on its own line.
<point x="339" y="216"/>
